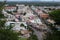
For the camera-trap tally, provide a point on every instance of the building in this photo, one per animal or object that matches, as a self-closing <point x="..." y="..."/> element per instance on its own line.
<point x="10" y="8"/>
<point x="21" y="8"/>
<point x="16" y="25"/>
<point x="44" y="16"/>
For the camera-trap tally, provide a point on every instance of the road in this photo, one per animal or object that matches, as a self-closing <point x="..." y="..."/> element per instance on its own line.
<point x="36" y="32"/>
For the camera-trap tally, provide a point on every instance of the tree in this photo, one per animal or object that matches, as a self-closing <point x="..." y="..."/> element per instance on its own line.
<point x="1" y="15"/>
<point x="8" y="35"/>
<point x="55" y="15"/>
<point x="1" y="8"/>
<point x="54" y="36"/>
<point x="2" y="24"/>
<point x="22" y="24"/>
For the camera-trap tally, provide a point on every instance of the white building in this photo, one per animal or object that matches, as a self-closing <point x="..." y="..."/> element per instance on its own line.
<point x="16" y="25"/>
<point x="21" y="8"/>
<point x="8" y="16"/>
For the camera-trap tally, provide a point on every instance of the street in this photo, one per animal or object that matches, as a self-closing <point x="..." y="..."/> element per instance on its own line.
<point x="39" y="34"/>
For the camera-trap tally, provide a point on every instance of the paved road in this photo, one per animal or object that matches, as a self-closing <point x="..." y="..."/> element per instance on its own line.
<point x="40" y="34"/>
<point x="37" y="33"/>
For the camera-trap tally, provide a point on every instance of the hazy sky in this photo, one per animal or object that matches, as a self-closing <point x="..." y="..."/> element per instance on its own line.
<point x="33" y="0"/>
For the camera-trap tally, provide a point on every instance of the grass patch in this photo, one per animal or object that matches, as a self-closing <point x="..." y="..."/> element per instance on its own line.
<point x="22" y="38"/>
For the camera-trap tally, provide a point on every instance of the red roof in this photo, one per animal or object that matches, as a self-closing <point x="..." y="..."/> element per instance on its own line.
<point x="9" y="7"/>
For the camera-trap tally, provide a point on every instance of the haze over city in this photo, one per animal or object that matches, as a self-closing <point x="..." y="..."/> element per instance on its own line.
<point x="34" y="0"/>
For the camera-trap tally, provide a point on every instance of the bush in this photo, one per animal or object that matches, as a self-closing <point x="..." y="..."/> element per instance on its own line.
<point x="33" y="37"/>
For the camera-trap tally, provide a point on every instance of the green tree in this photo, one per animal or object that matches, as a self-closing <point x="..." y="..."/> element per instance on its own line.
<point x="8" y="35"/>
<point x="2" y="24"/>
<point x="22" y="24"/>
<point x="54" y="36"/>
<point x="1" y="8"/>
<point x="55" y="15"/>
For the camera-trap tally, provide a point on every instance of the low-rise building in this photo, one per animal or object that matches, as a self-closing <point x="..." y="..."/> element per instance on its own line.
<point x="44" y="16"/>
<point x="16" y="26"/>
<point x="10" y="8"/>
